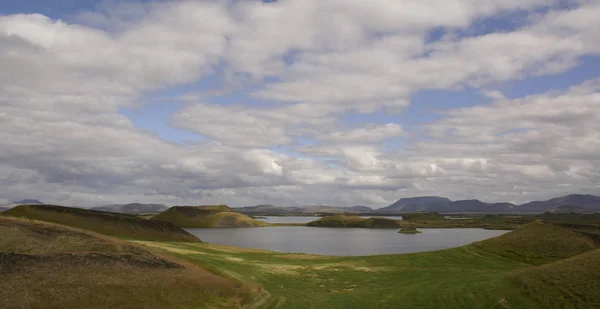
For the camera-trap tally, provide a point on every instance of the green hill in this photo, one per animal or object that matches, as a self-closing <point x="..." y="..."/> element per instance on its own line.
<point x="354" y="221"/>
<point x="107" y="223"/>
<point x="571" y="283"/>
<point x="207" y="216"/>
<point x="45" y="265"/>
<point x="423" y="216"/>
<point x="538" y="243"/>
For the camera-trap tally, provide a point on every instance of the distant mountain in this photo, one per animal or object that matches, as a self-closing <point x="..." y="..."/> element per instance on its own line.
<point x="360" y="208"/>
<point x="27" y="202"/>
<point x="308" y="210"/>
<point x="421" y="203"/>
<point x="132" y="208"/>
<point x="575" y="209"/>
<point x="21" y="202"/>
<point x="588" y="201"/>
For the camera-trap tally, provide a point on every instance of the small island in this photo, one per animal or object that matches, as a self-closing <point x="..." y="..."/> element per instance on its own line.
<point x="409" y="230"/>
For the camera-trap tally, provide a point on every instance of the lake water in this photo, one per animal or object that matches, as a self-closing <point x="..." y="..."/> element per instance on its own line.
<point x="289" y="219"/>
<point x="342" y="241"/>
<point x="304" y="219"/>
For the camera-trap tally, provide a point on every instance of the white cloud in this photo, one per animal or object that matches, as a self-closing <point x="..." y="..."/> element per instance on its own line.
<point x="62" y="86"/>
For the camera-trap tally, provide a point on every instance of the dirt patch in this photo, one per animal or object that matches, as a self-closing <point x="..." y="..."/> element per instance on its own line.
<point x="169" y="248"/>
<point x="232" y="249"/>
<point x="234" y="259"/>
<point x="345" y="266"/>
<point x="283" y="269"/>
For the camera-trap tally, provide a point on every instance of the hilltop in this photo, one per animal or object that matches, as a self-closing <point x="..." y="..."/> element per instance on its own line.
<point x="207" y="216"/>
<point x="107" y="223"/>
<point x="538" y="243"/>
<point x="45" y="265"/>
<point x="265" y="210"/>
<point x="569" y="283"/>
<point x="354" y="221"/>
<point x="132" y="208"/>
<point x="576" y="202"/>
<point x="21" y="202"/>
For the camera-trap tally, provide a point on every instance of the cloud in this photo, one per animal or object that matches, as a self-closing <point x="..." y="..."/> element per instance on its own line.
<point x="62" y="85"/>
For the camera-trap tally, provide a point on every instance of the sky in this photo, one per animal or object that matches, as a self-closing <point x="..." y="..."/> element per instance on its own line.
<point x="298" y="102"/>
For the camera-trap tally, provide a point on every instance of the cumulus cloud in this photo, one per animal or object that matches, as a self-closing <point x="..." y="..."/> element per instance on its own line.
<point x="63" y="84"/>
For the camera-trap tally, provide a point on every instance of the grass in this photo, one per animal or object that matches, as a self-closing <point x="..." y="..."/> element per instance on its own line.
<point x="538" y="243"/>
<point x="465" y="277"/>
<point x="107" y="223"/>
<point x="354" y="221"/>
<point x="44" y="265"/>
<point x="207" y="216"/>
<point x="86" y="270"/>
<point x="568" y="284"/>
<point x="422" y="216"/>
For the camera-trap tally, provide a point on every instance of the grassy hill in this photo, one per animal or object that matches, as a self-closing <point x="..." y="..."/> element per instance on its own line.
<point x="107" y="223"/>
<point x="571" y="283"/>
<point x="354" y="221"/>
<point x="45" y="265"/>
<point x="207" y="216"/>
<point x="538" y="243"/>
<point x="423" y="216"/>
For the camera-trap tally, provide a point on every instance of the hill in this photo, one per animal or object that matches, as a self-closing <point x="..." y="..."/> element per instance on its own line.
<point x="21" y="202"/>
<point x="271" y="210"/>
<point x="27" y="202"/>
<point x="354" y="221"/>
<point x="570" y="283"/>
<point x="573" y="209"/>
<point x="107" y="223"/>
<point x="588" y="201"/>
<point x="45" y="265"/>
<point x="538" y="243"/>
<point x="207" y="216"/>
<point x="414" y="203"/>
<point x="423" y="216"/>
<point x="132" y="208"/>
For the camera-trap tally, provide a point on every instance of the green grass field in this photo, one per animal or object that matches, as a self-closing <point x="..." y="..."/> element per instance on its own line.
<point x="538" y="243"/>
<point x="465" y="277"/>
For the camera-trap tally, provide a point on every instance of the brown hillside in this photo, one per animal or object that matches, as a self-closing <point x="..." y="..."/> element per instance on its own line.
<point x="44" y="265"/>
<point x="107" y="223"/>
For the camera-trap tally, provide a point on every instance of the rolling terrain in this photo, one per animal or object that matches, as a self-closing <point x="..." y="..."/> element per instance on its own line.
<point x="545" y="264"/>
<point x="354" y="221"/>
<point x="132" y="208"/>
<point x="107" y="223"/>
<point x="207" y="216"/>
<point x="538" y="243"/>
<point x="45" y="265"/>
<point x="569" y="203"/>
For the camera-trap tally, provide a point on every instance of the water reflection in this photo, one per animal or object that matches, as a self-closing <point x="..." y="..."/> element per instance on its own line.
<point x="342" y="241"/>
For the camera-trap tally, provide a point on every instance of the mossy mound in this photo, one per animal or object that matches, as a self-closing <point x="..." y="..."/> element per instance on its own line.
<point x="409" y="230"/>
<point x="207" y="216"/>
<point x="107" y="223"/>
<point x="423" y="216"/>
<point x="570" y="283"/>
<point x="354" y="221"/>
<point x="538" y="243"/>
<point x="45" y="265"/>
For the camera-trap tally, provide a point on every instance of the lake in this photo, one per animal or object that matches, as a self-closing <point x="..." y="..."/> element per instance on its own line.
<point x="289" y="219"/>
<point x="306" y="219"/>
<point x="342" y="241"/>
